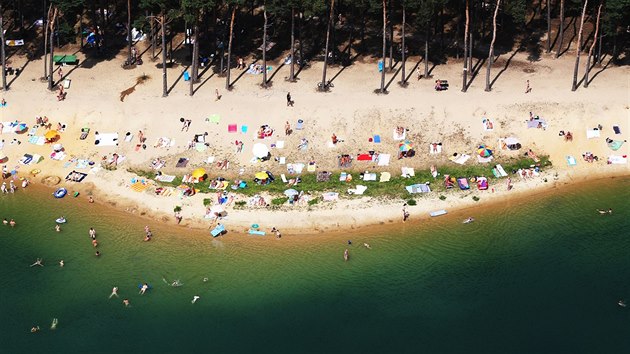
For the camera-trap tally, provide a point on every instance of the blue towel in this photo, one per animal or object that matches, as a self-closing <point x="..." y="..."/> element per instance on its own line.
<point x="377" y="138"/>
<point x="186" y="76"/>
<point x="243" y="129"/>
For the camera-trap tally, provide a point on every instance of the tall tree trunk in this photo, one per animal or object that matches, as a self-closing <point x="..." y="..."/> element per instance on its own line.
<point x="578" y="48"/>
<point x="426" y="50"/>
<point x="324" y="85"/>
<point x="264" y="50"/>
<point x="548" y="26"/>
<point x="590" y="51"/>
<point x="491" y="53"/>
<point x="229" y="57"/>
<point x="599" y="49"/>
<point x="46" y="41"/>
<point x="403" y="57"/>
<point x="465" y="74"/>
<point x="384" y="46"/>
<point x="129" y="39"/>
<point x="561" y="30"/>
<point x="2" y="54"/>
<point x="292" y="71"/>
<point x="194" y="77"/>
<point x="153" y="41"/>
<point x="163" y="32"/>
<point x="51" y="29"/>
<point x="391" y="41"/>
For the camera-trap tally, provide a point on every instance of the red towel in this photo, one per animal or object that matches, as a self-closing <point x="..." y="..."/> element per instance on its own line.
<point x="364" y="157"/>
<point x="232" y="128"/>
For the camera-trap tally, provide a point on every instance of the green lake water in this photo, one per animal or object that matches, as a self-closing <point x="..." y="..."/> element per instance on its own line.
<point x="541" y="275"/>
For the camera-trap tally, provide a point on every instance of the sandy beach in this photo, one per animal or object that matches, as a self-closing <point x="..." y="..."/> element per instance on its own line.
<point x="351" y="111"/>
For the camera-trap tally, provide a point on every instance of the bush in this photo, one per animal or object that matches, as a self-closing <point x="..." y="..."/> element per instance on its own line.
<point x="412" y="202"/>
<point x="207" y="201"/>
<point x="313" y="201"/>
<point x="177" y="209"/>
<point x="278" y="201"/>
<point x="240" y="203"/>
<point x="442" y="197"/>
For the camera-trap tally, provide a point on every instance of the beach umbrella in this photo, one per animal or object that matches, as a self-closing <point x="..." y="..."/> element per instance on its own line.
<point x="261" y="175"/>
<point x="405" y="146"/>
<point x="510" y="140"/>
<point x="291" y="192"/>
<point x="198" y="173"/>
<point x="57" y="147"/>
<point x="483" y="151"/>
<point x="260" y="150"/>
<point x="20" y="127"/>
<point x="51" y="134"/>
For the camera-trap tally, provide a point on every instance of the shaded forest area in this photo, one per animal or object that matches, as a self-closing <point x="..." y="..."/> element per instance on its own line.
<point x="214" y="34"/>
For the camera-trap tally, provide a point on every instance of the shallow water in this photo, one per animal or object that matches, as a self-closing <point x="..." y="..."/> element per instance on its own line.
<point x="536" y="276"/>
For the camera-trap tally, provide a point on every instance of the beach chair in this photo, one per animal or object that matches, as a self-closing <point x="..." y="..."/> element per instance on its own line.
<point x="300" y="125"/>
<point x="84" y="133"/>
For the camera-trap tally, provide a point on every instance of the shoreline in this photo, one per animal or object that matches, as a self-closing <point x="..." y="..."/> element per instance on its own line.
<point x="339" y="219"/>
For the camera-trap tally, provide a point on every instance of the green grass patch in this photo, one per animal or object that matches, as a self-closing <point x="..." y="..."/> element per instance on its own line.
<point x="412" y="202"/>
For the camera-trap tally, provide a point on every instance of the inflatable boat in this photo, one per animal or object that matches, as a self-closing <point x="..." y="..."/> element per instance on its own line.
<point x="60" y="193"/>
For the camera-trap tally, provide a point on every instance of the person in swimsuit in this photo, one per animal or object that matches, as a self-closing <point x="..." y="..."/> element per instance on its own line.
<point x="144" y="288"/>
<point x="38" y="262"/>
<point x="114" y="292"/>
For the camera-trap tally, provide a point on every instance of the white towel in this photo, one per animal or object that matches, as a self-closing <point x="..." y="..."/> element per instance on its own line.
<point x="617" y="160"/>
<point x="408" y="172"/>
<point x="383" y="159"/>
<point x="592" y="133"/>
<point x="282" y="160"/>
<point x="438" y="148"/>
<point x="461" y="159"/>
<point x="280" y="144"/>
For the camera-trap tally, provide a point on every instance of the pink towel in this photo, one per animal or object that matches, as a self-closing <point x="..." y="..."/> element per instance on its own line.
<point x="232" y="128"/>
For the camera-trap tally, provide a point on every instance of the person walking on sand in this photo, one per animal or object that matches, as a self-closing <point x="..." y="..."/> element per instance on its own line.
<point x="114" y="292"/>
<point x="287" y="128"/>
<point x="216" y="91"/>
<point x="289" y="100"/>
<point x="141" y="137"/>
<point x="528" y="89"/>
<point x="405" y="212"/>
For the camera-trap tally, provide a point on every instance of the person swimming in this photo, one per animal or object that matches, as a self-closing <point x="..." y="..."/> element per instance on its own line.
<point x="604" y="211"/>
<point x="54" y="323"/>
<point x="126" y="302"/>
<point x="143" y="288"/>
<point x="12" y="223"/>
<point x="38" y="262"/>
<point x="57" y="228"/>
<point x="622" y="303"/>
<point x="94" y="243"/>
<point x="97" y="254"/>
<point x="114" y="292"/>
<point x="205" y="280"/>
<point x="195" y="298"/>
<point x="34" y="329"/>
<point x="92" y="233"/>
<point x="61" y="263"/>
<point x="367" y="245"/>
<point x="469" y="220"/>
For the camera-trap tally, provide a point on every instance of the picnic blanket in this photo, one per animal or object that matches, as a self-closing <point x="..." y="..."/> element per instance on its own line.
<point x="418" y="188"/>
<point x="615" y="145"/>
<point x="593" y="133"/>
<point x="358" y="190"/>
<point x="330" y="196"/>
<point x="369" y="176"/>
<point x="106" y="139"/>
<point x="617" y="160"/>
<point x="383" y="159"/>
<point x="165" y="178"/>
<point x="294" y="168"/>
<point x="484" y="159"/>
<point x="459" y="159"/>
<point x="139" y="186"/>
<point x="498" y="171"/>
<point x="534" y="123"/>
<point x="385" y="177"/>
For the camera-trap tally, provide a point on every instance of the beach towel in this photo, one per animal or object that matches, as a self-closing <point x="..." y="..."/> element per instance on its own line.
<point x="282" y="160"/>
<point x="460" y="159"/>
<point x="592" y="133"/>
<point x="369" y="176"/>
<point x="139" y="186"/>
<point x="201" y="147"/>
<point x="311" y="168"/>
<point x="358" y="190"/>
<point x="377" y="139"/>
<point x="81" y="163"/>
<point x="408" y="172"/>
<point x="58" y="155"/>
<point x="615" y="145"/>
<point x="498" y="171"/>
<point x="284" y="178"/>
<point x="482" y="183"/>
<point x="488" y="125"/>
<point x="76" y="176"/>
<point x="617" y="160"/>
<point x="300" y="125"/>
<point x="165" y="178"/>
<point x="462" y="182"/>
<point x="294" y="168"/>
<point x="26" y="159"/>
<point x="40" y="140"/>
<point x="385" y="177"/>
<point x="231" y="128"/>
<point x="256" y="232"/>
<point x="383" y="159"/>
<point x="215" y="118"/>
<point x="323" y="176"/>
<point x="33" y="139"/>
<point x="66" y="83"/>
<point x="330" y="196"/>
<point x="107" y="139"/>
<point x="218" y="230"/>
<point x="435" y="148"/>
<point x="84" y="133"/>
<point x="484" y="159"/>
<point x="182" y="162"/>
<point x="364" y="157"/>
<point x="128" y="137"/>
<point x="401" y="136"/>
<point x="536" y="122"/>
<point x="243" y="129"/>
<point x="616" y="129"/>
<point x="280" y="144"/>
<point x="33" y="130"/>
<point x="36" y="159"/>
<point x="418" y="188"/>
<point x="571" y="161"/>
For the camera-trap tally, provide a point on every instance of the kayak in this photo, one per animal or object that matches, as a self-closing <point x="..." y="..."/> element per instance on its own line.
<point x="60" y="220"/>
